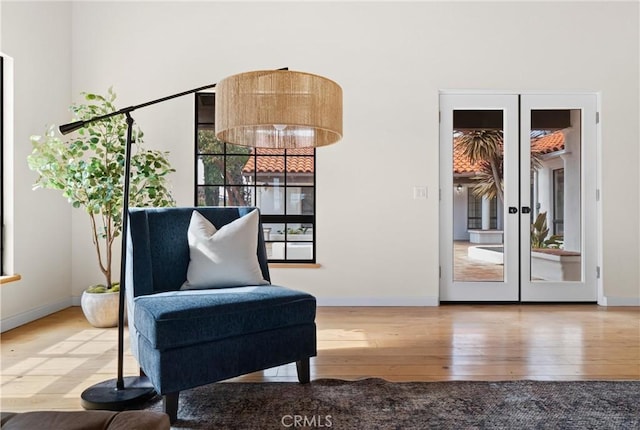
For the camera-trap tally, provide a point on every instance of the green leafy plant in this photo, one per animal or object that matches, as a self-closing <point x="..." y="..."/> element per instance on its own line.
<point x="540" y="231"/>
<point x="484" y="150"/>
<point x="89" y="170"/>
<point x="101" y="288"/>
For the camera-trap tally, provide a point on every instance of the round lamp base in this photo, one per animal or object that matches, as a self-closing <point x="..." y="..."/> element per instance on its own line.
<point x="105" y="395"/>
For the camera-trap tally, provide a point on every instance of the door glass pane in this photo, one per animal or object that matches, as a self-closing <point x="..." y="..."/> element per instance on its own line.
<point x="478" y="153"/>
<point x="556" y="209"/>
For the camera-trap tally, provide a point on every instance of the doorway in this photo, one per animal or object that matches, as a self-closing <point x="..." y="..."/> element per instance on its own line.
<point x="518" y="197"/>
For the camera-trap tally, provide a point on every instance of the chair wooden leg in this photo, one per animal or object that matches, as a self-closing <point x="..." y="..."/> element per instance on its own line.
<point x="170" y="405"/>
<point x="304" y="371"/>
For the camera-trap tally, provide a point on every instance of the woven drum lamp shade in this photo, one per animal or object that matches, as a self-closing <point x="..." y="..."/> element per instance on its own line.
<point x="278" y="109"/>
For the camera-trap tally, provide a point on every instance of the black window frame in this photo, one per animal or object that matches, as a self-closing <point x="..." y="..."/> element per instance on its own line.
<point x="285" y="219"/>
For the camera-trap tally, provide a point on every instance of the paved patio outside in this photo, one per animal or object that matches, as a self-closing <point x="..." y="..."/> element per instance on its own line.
<point x="468" y="269"/>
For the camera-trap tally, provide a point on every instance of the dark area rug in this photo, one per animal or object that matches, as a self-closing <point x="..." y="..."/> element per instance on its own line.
<point x="378" y="404"/>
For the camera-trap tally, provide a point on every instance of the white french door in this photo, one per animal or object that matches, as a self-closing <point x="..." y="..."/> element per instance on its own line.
<point x="518" y="197"/>
<point x="473" y="225"/>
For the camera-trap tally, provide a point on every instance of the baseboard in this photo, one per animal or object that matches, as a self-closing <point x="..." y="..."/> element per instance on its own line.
<point x="619" y="301"/>
<point x="377" y="301"/>
<point x="32" y="315"/>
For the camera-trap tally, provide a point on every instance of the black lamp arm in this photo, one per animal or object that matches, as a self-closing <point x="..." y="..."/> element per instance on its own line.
<point x="73" y="126"/>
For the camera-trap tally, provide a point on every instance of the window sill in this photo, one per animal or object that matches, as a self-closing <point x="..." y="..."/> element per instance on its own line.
<point x="294" y="266"/>
<point x="5" y="279"/>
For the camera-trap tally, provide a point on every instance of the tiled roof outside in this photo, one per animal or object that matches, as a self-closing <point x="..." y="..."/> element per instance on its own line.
<point x="544" y="145"/>
<point x="550" y="143"/>
<point x="273" y="162"/>
<point x="461" y="164"/>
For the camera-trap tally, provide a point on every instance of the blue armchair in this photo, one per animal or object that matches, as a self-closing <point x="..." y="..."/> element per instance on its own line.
<point x="184" y="339"/>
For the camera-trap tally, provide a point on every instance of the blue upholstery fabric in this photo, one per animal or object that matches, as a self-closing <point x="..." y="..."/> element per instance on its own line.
<point x="171" y="320"/>
<point x="184" y="339"/>
<point x="161" y="251"/>
<point x="199" y="364"/>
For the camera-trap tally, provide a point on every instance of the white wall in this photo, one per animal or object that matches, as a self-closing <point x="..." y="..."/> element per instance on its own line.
<point x="391" y="60"/>
<point x="38" y="38"/>
<point x="375" y="243"/>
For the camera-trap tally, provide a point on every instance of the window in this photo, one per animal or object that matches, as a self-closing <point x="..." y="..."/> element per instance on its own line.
<point x="281" y="182"/>
<point x="558" y="202"/>
<point x="7" y="273"/>
<point x="2" y="251"/>
<point x="474" y="212"/>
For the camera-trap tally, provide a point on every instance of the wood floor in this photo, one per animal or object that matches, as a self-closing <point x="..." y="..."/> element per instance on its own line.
<point x="48" y="363"/>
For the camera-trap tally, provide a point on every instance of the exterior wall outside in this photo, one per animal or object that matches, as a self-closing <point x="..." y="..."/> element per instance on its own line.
<point x="460" y="211"/>
<point x="544" y="186"/>
<point x="572" y="175"/>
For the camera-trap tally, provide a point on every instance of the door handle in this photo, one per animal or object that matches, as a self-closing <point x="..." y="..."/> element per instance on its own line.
<point x="526" y="209"/>
<point x="513" y="210"/>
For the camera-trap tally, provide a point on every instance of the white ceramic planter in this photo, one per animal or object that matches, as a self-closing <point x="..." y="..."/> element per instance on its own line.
<point x="101" y="309"/>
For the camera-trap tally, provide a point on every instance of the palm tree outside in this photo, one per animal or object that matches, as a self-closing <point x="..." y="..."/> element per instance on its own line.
<point x="483" y="148"/>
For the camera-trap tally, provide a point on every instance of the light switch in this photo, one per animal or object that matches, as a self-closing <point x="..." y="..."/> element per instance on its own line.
<point x="420" y="193"/>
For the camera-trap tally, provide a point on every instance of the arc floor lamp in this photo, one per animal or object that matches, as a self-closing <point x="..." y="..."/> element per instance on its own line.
<point x="261" y="109"/>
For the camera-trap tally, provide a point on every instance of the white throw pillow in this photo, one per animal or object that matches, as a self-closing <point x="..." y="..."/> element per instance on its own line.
<point x="226" y="257"/>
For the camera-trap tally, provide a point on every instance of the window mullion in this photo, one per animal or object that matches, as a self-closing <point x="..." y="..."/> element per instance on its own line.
<point x="255" y="177"/>
<point x="286" y="225"/>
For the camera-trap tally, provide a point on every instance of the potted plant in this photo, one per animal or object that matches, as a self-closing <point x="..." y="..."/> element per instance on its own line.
<point x="88" y="169"/>
<point x="100" y="305"/>
<point x="540" y="238"/>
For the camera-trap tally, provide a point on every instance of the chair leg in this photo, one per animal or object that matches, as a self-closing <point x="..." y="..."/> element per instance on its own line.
<point x="170" y="405"/>
<point x="304" y="372"/>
